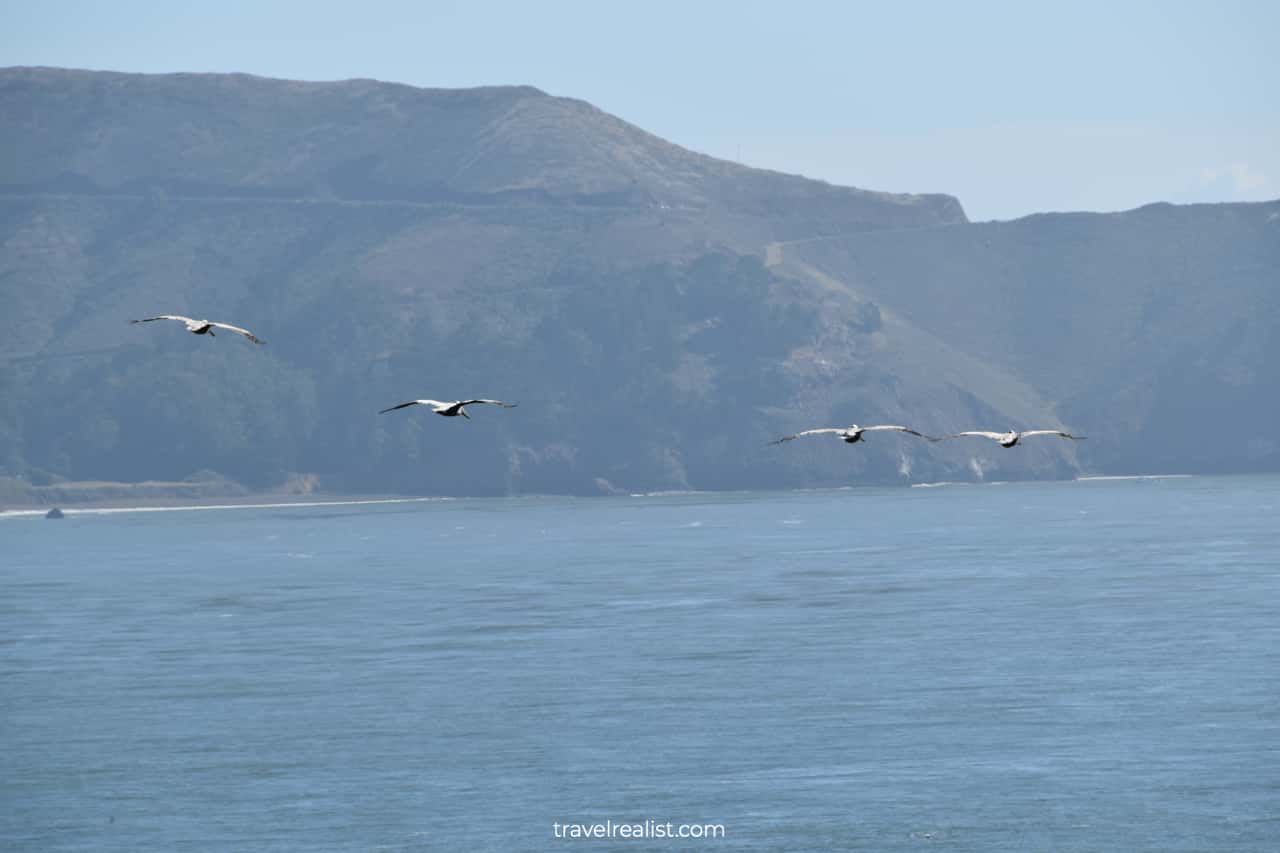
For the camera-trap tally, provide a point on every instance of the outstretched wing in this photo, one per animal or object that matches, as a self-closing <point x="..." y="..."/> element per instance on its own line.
<point x="407" y="405"/>
<point x="994" y="436"/>
<point x="239" y="331"/>
<point x="907" y="430"/>
<point x="806" y="432"/>
<point x="1058" y="432"/>
<point x="893" y="427"/>
<point x="177" y="317"/>
<point x="490" y="402"/>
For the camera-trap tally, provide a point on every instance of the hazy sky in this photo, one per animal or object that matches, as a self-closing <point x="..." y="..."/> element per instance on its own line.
<point x="1014" y="107"/>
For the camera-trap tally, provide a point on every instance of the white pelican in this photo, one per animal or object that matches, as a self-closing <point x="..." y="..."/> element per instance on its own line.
<point x="202" y="327"/>
<point x="448" y="410"/>
<point x="852" y="434"/>
<point x="1012" y="437"/>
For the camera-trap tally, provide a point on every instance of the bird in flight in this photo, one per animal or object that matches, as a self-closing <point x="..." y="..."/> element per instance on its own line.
<point x="852" y="434"/>
<point x="1012" y="437"/>
<point x="202" y="327"/>
<point x="448" y="410"/>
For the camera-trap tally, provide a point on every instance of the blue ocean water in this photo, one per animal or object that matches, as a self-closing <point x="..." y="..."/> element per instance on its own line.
<point x="1066" y="666"/>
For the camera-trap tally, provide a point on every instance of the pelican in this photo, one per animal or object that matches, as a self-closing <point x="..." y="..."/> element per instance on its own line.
<point x="448" y="410"/>
<point x="852" y="434"/>
<point x="1012" y="437"/>
<point x="202" y="327"/>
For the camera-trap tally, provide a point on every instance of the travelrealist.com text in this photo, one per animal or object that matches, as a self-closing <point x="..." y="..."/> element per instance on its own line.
<point x="647" y="829"/>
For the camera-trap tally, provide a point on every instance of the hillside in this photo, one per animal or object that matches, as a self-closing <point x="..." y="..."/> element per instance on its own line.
<point x="1154" y="330"/>
<point x="658" y="314"/>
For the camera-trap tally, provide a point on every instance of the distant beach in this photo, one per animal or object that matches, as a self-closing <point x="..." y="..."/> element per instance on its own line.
<point x="186" y="506"/>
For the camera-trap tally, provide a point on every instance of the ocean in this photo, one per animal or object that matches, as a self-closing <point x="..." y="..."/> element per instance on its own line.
<point x="1071" y="666"/>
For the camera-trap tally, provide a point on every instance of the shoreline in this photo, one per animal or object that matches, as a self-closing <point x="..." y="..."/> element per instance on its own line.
<point x="118" y="506"/>
<point x="180" y="504"/>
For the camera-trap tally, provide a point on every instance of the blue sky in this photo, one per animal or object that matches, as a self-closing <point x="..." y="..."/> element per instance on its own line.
<point x="1013" y="107"/>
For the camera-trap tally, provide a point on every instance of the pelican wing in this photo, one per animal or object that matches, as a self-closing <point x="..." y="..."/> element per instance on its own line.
<point x="994" y="436"/>
<point x="177" y="317"/>
<point x="239" y="331"/>
<point x="893" y="427"/>
<point x="1058" y="432"/>
<point x="807" y="432"/>
<point x="407" y="405"/>
<point x="907" y="430"/>
<point x="491" y="402"/>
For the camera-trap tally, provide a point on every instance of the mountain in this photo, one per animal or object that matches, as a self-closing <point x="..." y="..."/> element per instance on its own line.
<point x="658" y="314"/>
<point x="224" y="135"/>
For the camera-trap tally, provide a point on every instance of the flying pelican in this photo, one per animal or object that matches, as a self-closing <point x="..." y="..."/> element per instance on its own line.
<point x="1012" y="437"/>
<point x="202" y="327"/>
<point x="852" y="434"/>
<point x="448" y="410"/>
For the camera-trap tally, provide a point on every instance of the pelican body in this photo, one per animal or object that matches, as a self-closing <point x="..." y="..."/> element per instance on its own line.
<point x="854" y="434"/>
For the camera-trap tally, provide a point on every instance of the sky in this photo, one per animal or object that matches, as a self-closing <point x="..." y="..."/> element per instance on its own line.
<point x="1013" y="107"/>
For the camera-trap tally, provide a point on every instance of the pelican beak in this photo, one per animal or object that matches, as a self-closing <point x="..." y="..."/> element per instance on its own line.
<point x="463" y="412"/>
